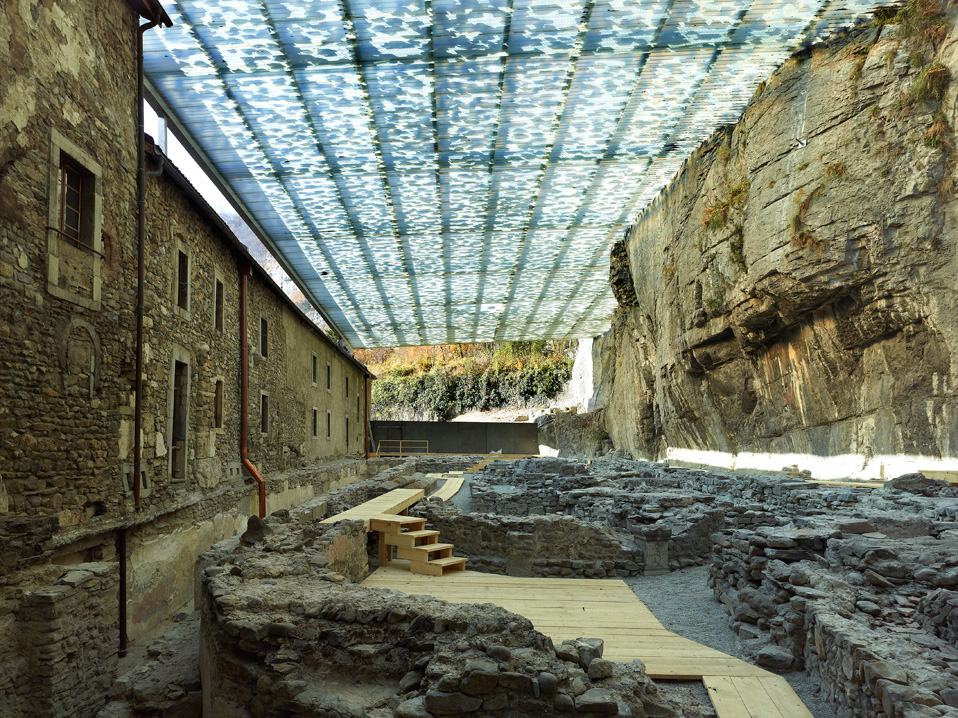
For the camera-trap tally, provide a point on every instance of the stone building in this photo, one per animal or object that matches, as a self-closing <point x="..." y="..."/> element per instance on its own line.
<point x="68" y="365"/>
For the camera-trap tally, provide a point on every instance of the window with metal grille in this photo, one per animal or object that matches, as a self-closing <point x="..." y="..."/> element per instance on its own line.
<point x="71" y="203"/>
<point x="76" y="245"/>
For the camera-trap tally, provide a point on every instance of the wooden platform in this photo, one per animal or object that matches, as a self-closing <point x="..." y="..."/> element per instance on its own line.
<point x="392" y="502"/>
<point x="608" y="609"/>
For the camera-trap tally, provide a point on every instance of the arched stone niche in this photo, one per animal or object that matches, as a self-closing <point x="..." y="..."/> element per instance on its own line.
<point x="80" y="356"/>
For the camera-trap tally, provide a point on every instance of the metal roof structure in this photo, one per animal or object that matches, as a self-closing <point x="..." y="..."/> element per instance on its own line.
<point x="443" y="171"/>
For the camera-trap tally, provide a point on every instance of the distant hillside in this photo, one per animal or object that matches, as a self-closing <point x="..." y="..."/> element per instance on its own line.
<point x="440" y="382"/>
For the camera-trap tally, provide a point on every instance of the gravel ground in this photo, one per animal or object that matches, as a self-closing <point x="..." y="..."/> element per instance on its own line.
<point x="683" y="602"/>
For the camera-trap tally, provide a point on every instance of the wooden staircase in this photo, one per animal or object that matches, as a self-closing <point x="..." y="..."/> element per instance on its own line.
<point x="414" y="542"/>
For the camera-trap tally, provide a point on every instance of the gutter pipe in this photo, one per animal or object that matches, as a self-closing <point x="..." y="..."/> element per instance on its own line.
<point x="156" y="16"/>
<point x="244" y="392"/>
<point x="140" y="262"/>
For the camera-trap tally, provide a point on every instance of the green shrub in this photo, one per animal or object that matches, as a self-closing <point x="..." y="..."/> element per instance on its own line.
<point x="931" y="83"/>
<point x="443" y="393"/>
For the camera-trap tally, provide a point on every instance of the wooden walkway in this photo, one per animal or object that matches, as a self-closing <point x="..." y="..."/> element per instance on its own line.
<point x="392" y="502"/>
<point x="448" y="489"/>
<point x="608" y="609"/>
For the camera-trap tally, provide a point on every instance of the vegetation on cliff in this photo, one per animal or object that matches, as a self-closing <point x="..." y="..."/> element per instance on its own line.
<point x="440" y="382"/>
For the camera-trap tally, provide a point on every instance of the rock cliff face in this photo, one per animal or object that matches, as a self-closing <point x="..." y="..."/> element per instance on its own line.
<point x="793" y="291"/>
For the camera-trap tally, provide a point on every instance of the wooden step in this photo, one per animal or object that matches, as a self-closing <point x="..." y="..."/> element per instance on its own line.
<point x="429" y="552"/>
<point x="439" y="566"/>
<point x="391" y="524"/>
<point x="412" y="539"/>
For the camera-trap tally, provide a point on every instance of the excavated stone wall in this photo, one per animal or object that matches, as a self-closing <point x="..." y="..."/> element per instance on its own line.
<point x="867" y="614"/>
<point x="535" y="545"/>
<point x="792" y="292"/>
<point x="58" y="656"/>
<point x="284" y="633"/>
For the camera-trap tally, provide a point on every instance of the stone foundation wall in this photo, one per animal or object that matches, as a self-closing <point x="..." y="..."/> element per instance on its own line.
<point x="284" y="634"/>
<point x="163" y="552"/>
<point x="866" y="614"/>
<point x="534" y="545"/>
<point x="59" y="649"/>
<point x="939" y="614"/>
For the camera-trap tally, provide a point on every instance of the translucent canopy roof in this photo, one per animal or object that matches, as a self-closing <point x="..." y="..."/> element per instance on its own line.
<point x="441" y="171"/>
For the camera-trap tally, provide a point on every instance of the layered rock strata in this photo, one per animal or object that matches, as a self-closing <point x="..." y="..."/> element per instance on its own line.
<point x="792" y="292"/>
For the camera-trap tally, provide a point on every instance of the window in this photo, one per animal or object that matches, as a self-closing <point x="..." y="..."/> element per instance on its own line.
<point x="180" y="417"/>
<point x="218" y="405"/>
<point x="71" y="202"/>
<point x="263" y="337"/>
<point x="315" y="422"/>
<point x="357" y="407"/>
<point x="74" y="217"/>
<point x="347" y="386"/>
<point x="218" y="306"/>
<point x="182" y="280"/>
<point x="264" y="413"/>
<point x="329" y="425"/>
<point x="329" y="377"/>
<point x="347" y="432"/>
<point x="315" y="369"/>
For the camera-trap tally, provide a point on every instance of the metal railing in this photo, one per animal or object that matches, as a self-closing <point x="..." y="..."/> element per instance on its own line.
<point x="402" y="447"/>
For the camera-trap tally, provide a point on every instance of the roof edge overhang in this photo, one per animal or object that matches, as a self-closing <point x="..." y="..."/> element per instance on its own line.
<point x="151" y="10"/>
<point x="175" y="125"/>
<point x="173" y="173"/>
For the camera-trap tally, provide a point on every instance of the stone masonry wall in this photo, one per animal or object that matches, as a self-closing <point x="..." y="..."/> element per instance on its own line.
<point x="533" y="545"/>
<point x="63" y="365"/>
<point x="67" y="316"/>
<point x="59" y="653"/>
<point x="865" y="613"/>
<point x="283" y="633"/>
<point x="284" y="374"/>
<point x="67" y="340"/>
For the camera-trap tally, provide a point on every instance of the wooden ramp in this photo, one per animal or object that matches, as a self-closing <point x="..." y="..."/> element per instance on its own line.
<point x="392" y="502"/>
<point x="448" y="489"/>
<point x="565" y="608"/>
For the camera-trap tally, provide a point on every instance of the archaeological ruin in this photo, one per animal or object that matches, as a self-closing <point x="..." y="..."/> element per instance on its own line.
<point x="747" y="506"/>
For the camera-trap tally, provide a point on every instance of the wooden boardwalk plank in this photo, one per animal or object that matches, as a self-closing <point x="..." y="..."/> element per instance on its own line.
<point x="565" y="608"/>
<point x="392" y="502"/>
<point x="725" y="698"/>
<point x="788" y="703"/>
<point x="448" y="489"/>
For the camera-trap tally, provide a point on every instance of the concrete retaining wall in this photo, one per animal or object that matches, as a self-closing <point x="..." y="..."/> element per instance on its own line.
<point x="462" y="437"/>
